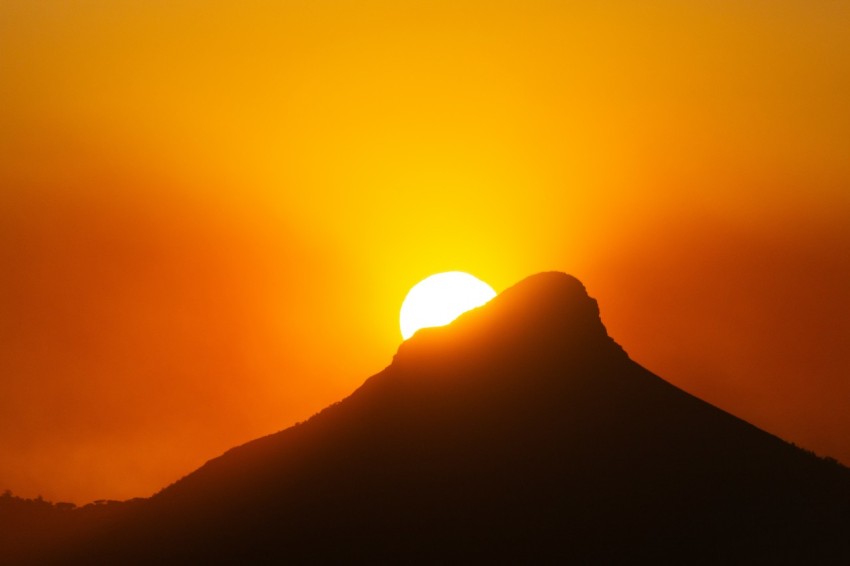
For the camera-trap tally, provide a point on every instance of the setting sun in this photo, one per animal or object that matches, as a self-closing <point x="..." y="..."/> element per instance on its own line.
<point x="439" y="299"/>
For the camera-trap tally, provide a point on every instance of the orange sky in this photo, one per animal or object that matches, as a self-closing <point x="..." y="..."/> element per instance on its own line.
<point x="211" y="211"/>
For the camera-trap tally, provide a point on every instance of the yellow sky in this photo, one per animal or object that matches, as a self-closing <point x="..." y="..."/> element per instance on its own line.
<point x="211" y="211"/>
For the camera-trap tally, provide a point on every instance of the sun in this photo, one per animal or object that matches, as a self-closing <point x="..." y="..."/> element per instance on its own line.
<point x="439" y="299"/>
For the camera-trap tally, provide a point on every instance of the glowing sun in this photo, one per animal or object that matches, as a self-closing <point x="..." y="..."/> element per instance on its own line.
<point x="439" y="299"/>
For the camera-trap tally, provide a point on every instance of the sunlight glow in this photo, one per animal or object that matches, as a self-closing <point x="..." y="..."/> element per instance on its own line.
<point x="439" y="299"/>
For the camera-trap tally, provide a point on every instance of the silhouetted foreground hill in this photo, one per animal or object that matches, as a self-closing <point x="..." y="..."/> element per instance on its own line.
<point x="521" y="433"/>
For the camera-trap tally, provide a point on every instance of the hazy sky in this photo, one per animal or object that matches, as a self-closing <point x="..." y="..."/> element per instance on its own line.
<point x="210" y="212"/>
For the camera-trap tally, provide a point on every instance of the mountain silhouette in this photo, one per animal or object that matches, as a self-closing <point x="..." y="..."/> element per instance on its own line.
<point x="520" y="433"/>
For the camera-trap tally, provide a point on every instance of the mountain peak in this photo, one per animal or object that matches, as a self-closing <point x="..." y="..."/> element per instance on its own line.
<point x="553" y="283"/>
<point x="546" y="312"/>
<point x="551" y="296"/>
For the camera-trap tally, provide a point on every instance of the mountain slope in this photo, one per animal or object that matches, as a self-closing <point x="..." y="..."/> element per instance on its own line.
<point x="519" y="433"/>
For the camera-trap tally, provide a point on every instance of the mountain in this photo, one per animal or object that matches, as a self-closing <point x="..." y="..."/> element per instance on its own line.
<point x="520" y="433"/>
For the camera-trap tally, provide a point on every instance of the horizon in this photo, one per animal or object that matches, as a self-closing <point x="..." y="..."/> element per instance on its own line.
<point x="210" y="215"/>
